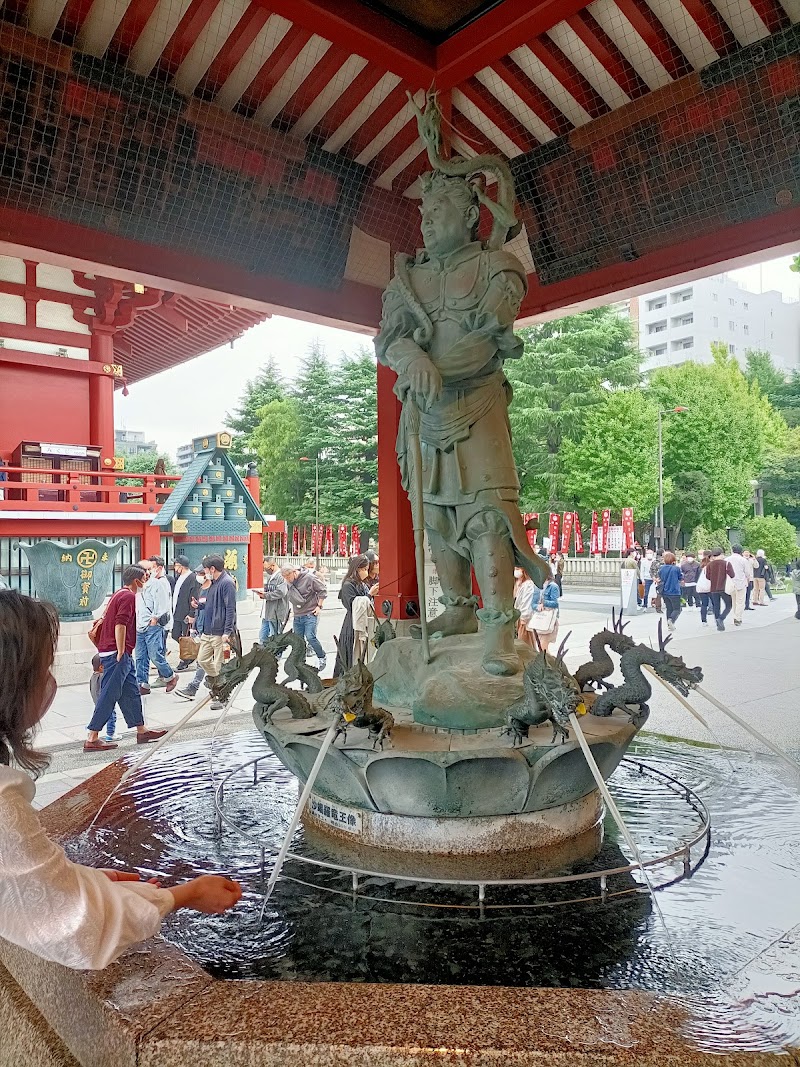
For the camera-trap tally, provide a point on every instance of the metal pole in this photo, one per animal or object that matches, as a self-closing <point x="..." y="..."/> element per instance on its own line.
<point x="660" y="538"/>
<point x="316" y="505"/>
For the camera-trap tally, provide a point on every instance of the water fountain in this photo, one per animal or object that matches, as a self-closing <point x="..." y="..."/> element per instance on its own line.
<point x="455" y="894"/>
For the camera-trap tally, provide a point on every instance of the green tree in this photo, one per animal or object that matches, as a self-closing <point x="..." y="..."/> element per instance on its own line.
<point x="686" y="500"/>
<point x="145" y="463"/>
<point x="267" y="386"/>
<point x="349" y="481"/>
<point x="726" y="432"/>
<point x="703" y="538"/>
<point x="761" y="370"/>
<point x="567" y="368"/>
<point x="780" y="478"/>
<point x="615" y="464"/>
<point x="775" y="535"/>
<point x="278" y="446"/>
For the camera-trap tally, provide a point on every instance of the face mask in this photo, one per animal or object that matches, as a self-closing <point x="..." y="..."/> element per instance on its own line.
<point x="209" y="576"/>
<point x="517" y="573"/>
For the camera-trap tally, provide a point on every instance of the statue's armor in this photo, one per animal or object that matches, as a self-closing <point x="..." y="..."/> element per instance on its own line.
<point x="465" y="435"/>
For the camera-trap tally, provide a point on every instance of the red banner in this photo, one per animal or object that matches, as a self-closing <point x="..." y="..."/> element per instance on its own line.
<point x="627" y="528"/>
<point x="329" y="541"/>
<point x="604" y="531"/>
<point x="594" y="544"/>
<point x="566" y="531"/>
<point x="342" y="539"/>
<point x="355" y="541"/>
<point x="578" y="536"/>
<point x="553" y="531"/>
<point x="295" y="541"/>
<point x="531" y="517"/>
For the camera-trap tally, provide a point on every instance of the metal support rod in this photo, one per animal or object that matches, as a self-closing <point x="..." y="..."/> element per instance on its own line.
<point x="660" y="537"/>
<point x="255" y="772"/>
<point x="750" y="729"/>
<point x="603" y="888"/>
<point x="152" y="749"/>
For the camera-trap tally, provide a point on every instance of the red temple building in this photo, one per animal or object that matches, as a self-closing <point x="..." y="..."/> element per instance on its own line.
<point x="174" y="171"/>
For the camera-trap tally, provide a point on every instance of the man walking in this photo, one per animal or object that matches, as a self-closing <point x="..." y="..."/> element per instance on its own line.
<point x="739" y="578"/>
<point x="219" y="620"/>
<point x="118" y="682"/>
<point x="646" y="576"/>
<point x="759" y="578"/>
<point x="306" y="594"/>
<point x="152" y="615"/>
<point x="275" y="611"/>
<point x="690" y="569"/>
<point x="182" y="591"/>
<point x="718" y="571"/>
<point x="748" y="563"/>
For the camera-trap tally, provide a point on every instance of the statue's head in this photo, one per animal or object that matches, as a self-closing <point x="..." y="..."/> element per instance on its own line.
<point x="450" y="213"/>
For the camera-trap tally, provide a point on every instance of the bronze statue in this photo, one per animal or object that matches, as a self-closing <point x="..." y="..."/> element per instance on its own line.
<point x="447" y="328"/>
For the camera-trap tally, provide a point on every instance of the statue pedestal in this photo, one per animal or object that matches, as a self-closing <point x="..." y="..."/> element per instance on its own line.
<point x="453" y="691"/>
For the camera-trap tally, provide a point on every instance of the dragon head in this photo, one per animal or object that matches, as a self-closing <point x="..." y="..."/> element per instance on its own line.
<point x="237" y="669"/>
<point x="672" y="669"/>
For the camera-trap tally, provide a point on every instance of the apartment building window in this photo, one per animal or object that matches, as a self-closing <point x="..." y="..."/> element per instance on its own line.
<point x="656" y="303"/>
<point x="716" y="320"/>
<point x="745" y="305"/>
<point x="731" y="324"/>
<point x="732" y="302"/>
<point x="682" y="295"/>
<point x="746" y="329"/>
<point x="683" y="344"/>
<point x="657" y="327"/>
<point x="715" y="297"/>
<point x="657" y="350"/>
<point x="732" y="349"/>
<point x="683" y="320"/>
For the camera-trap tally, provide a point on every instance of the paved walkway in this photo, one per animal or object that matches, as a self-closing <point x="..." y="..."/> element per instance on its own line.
<point x="755" y="669"/>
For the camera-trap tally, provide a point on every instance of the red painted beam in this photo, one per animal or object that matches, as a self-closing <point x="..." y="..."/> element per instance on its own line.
<point x="186" y="33"/>
<point x="711" y="24"/>
<point x="655" y="37"/>
<point x="418" y="165"/>
<point x="232" y="52"/>
<point x="405" y="137"/>
<point x="724" y="249"/>
<point x="470" y="133"/>
<point x="362" y="32"/>
<point x="772" y="15"/>
<point x="22" y="233"/>
<point x="491" y="107"/>
<point x="276" y="65"/>
<point x="133" y="23"/>
<point x="72" y="18"/>
<point x="309" y="89"/>
<point x="532" y="96"/>
<point x="565" y="72"/>
<point x="383" y="114"/>
<point x="358" y="90"/>
<point x="50" y="337"/>
<point x="589" y="31"/>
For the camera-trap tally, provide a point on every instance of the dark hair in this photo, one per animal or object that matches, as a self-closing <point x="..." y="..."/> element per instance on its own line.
<point x="217" y="562"/>
<point x="158" y="560"/>
<point x="669" y="558"/>
<point x="132" y="574"/>
<point x="716" y="551"/>
<point x="356" y="563"/>
<point x="28" y="640"/>
<point x="737" y="549"/>
<point x="97" y="663"/>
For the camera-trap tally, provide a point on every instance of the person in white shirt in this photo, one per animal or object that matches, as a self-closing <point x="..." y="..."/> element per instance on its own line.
<point x="78" y="916"/>
<point x="739" y="582"/>
<point x="523" y="603"/>
<point x="153" y="612"/>
<point x="646" y="575"/>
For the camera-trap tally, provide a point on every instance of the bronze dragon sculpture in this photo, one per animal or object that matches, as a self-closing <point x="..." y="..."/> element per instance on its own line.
<point x="636" y="688"/>
<point x="550" y="694"/>
<point x="594" y="673"/>
<point x="267" y="693"/>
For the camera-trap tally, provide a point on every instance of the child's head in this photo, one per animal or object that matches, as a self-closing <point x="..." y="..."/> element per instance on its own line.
<point x="97" y="664"/>
<point x="28" y="640"/>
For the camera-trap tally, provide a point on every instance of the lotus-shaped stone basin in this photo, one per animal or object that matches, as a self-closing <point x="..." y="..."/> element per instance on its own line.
<point x="75" y="578"/>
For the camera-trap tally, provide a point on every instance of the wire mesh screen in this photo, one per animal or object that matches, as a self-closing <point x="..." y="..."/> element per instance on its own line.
<point x="227" y="131"/>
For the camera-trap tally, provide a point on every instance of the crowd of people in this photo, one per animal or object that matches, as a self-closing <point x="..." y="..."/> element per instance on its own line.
<point x="708" y="581"/>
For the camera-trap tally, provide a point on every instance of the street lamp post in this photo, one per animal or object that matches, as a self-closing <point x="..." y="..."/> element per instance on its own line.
<point x="660" y="533"/>
<point x="305" y="459"/>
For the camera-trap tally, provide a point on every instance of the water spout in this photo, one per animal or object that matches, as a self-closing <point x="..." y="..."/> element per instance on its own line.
<point x="750" y="729"/>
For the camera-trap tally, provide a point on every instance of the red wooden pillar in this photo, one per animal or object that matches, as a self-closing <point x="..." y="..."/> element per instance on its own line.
<point x="255" y="550"/>
<point x="395" y="529"/>
<point x="151" y="541"/>
<point x="101" y="397"/>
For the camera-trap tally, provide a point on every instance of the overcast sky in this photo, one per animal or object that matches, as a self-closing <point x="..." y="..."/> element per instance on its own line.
<point x="188" y="405"/>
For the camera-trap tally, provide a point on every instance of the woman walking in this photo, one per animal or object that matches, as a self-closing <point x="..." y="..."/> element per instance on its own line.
<point x="669" y="575"/>
<point x="354" y="586"/>
<point x="543" y="623"/>
<point x="523" y="595"/>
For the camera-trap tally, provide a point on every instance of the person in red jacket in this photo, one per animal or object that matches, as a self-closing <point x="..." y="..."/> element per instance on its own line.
<point x="718" y="571"/>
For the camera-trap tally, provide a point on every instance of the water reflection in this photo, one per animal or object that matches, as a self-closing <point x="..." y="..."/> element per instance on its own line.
<point x="741" y="901"/>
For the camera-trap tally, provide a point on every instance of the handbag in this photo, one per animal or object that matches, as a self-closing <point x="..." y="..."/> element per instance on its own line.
<point x="189" y="648"/>
<point x="703" y="582"/>
<point x="94" y="631"/>
<point x="543" y="622"/>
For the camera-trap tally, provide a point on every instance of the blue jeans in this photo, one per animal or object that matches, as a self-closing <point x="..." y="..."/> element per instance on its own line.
<point x="150" y="648"/>
<point x="306" y="626"/>
<point x="268" y="629"/>
<point x="118" y="685"/>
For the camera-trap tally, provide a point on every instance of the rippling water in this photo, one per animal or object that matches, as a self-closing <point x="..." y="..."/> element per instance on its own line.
<point x="727" y="943"/>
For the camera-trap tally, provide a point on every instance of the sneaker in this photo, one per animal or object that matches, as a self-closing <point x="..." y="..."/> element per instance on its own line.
<point x="148" y="736"/>
<point x="207" y="682"/>
<point x="159" y="683"/>
<point x="189" y="693"/>
<point x="749" y="609"/>
<point x="322" y="664"/>
<point x="144" y="690"/>
<point x="704" y="622"/>
<point x="737" y="622"/>
<point x="671" y="626"/>
<point x="217" y="705"/>
<point x="720" y="625"/>
<point x="107" y="738"/>
<point x="183" y="665"/>
<point x="172" y="683"/>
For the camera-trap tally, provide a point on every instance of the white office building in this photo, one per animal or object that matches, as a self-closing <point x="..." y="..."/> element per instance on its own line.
<point x="680" y="323"/>
<point x="132" y="443"/>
